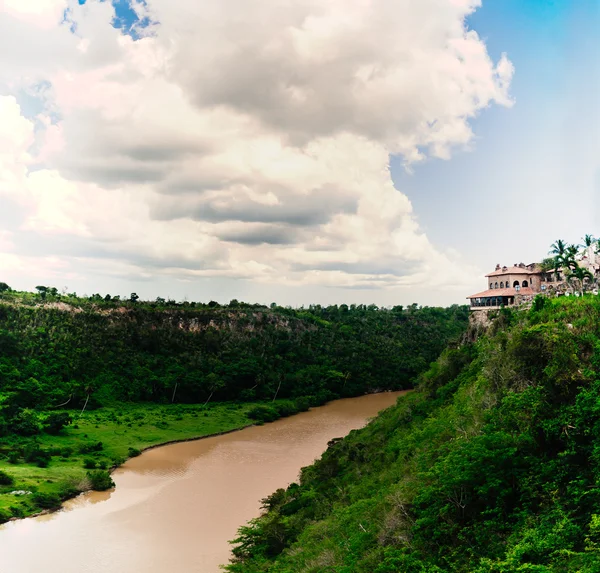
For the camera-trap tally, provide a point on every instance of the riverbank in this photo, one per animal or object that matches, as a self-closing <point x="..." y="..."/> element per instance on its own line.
<point x="176" y="507"/>
<point x="46" y="470"/>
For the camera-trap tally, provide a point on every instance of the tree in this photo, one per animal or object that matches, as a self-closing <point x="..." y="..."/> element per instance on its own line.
<point x="214" y="383"/>
<point x="42" y="291"/>
<point x="4" y="288"/>
<point x="580" y="275"/>
<point x="134" y="297"/>
<point x="588" y="241"/>
<point x="558" y="248"/>
<point x="56" y="421"/>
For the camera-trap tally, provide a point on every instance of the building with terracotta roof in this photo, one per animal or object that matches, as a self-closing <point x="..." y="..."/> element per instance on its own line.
<point x="508" y="286"/>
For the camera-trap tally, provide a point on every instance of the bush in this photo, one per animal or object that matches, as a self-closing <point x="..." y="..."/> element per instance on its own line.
<point x="56" y="421"/>
<point x="6" y="479"/>
<point x="263" y="414"/>
<point x="4" y="516"/>
<point x="89" y="447"/>
<point x="133" y="452"/>
<point x="46" y="500"/>
<point x="34" y="454"/>
<point x="13" y="457"/>
<point x="89" y="464"/>
<point x="25" y="423"/>
<point x="100" y="480"/>
<point x="302" y="403"/>
<point x="286" y="408"/>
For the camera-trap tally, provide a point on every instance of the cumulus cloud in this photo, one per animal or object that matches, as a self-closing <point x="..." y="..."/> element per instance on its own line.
<point x="240" y="138"/>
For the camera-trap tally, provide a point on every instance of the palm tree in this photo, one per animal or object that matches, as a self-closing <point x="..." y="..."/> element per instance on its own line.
<point x="569" y="258"/>
<point x="580" y="274"/>
<point x="558" y="248"/>
<point x="588" y="241"/>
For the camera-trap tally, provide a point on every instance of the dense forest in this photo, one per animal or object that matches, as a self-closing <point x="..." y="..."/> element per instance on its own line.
<point x="491" y="466"/>
<point x="86" y="383"/>
<point x="59" y="351"/>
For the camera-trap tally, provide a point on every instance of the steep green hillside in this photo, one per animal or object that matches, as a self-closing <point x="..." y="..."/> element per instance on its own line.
<point x="491" y="466"/>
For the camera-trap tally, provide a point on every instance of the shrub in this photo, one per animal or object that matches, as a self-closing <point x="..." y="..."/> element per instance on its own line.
<point x="100" y="480"/>
<point x="263" y="414"/>
<point x="25" y="423"/>
<point x="34" y="454"/>
<point x="302" y="403"/>
<point x="56" y="421"/>
<point x="14" y="456"/>
<point x="46" y="500"/>
<point x="286" y="408"/>
<point x="4" y="516"/>
<point x="90" y="447"/>
<point x="17" y="511"/>
<point x="6" y="479"/>
<point x="89" y="464"/>
<point x="133" y="452"/>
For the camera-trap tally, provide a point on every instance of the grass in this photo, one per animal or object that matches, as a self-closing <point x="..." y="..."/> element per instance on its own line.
<point x="122" y="432"/>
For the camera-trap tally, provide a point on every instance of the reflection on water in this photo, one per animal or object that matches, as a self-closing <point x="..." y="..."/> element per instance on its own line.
<point x="175" y="508"/>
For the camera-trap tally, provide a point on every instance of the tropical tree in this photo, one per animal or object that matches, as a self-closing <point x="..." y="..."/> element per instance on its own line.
<point x="581" y="276"/>
<point x="4" y="287"/>
<point x="558" y="248"/>
<point x="588" y="241"/>
<point x="570" y="257"/>
<point x="42" y="291"/>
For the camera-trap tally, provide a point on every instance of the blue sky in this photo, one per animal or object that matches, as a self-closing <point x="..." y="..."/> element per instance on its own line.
<point x="522" y="185"/>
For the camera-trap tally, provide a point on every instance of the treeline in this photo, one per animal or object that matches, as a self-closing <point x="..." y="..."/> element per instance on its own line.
<point x="491" y="466"/>
<point x="83" y="354"/>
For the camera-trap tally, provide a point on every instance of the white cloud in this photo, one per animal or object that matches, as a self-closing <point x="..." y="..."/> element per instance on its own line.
<point x="40" y="13"/>
<point x="244" y="139"/>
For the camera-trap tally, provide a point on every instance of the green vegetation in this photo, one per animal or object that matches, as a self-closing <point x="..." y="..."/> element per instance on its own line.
<point x="567" y="257"/>
<point x="491" y="466"/>
<point x="87" y="383"/>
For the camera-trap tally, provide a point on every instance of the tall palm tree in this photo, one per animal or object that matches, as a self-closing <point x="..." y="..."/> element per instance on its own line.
<point x="558" y="248"/>
<point x="588" y="241"/>
<point x="569" y="259"/>
<point x="580" y="275"/>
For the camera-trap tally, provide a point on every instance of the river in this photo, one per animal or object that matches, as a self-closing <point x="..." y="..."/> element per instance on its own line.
<point x="174" y="508"/>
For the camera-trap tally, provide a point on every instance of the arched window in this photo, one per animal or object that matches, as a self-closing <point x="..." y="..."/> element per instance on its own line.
<point x="502" y="285"/>
<point x="496" y="285"/>
<point x="491" y="285"/>
<point x="515" y="284"/>
<point x="525" y="284"/>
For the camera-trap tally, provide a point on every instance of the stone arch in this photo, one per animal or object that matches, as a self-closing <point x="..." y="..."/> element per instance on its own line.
<point x="525" y="284"/>
<point x="516" y="284"/>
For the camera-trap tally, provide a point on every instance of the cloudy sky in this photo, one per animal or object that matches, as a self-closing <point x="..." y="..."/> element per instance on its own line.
<point x="298" y="151"/>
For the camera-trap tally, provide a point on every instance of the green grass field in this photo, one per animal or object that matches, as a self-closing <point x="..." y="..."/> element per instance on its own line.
<point x="100" y="440"/>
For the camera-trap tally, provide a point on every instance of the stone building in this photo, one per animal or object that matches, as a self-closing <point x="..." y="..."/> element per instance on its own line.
<point x="508" y="286"/>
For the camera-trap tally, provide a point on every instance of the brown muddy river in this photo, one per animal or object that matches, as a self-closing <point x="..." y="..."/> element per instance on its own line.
<point x="175" y="507"/>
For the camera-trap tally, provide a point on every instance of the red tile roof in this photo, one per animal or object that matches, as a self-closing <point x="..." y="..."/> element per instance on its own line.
<point x="514" y="271"/>
<point x="503" y="292"/>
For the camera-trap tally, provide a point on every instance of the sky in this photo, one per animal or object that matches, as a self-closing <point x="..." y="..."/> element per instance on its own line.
<point x="299" y="151"/>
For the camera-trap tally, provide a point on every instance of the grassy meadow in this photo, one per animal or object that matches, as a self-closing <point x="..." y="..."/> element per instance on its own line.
<point x="55" y="467"/>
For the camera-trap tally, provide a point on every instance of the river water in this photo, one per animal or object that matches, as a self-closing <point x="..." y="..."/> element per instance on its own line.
<point x="175" y="507"/>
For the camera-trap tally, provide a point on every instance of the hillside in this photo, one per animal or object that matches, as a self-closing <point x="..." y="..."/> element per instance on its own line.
<point x="491" y="466"/>
<point x="53" y="351"/>
<point x="86" y="383"/>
